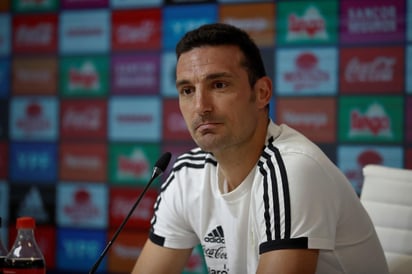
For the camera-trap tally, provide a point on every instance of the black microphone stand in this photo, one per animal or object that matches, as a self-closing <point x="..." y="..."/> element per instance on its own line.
<point x="158" y="169"/>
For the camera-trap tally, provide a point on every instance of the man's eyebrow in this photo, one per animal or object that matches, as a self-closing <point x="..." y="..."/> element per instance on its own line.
<point x="211" y="76"/>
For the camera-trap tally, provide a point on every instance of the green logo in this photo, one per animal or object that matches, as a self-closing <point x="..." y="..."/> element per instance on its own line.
<point x="308" y="23"/>
<point x="371" y="119"/>
<point x="84" y="76"/>
<point x="132" y="164"/>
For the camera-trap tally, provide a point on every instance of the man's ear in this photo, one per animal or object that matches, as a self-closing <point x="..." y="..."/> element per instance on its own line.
<point x="263" y="89"/>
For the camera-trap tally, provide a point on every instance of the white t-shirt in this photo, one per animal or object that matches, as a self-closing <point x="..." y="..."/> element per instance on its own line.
<point x="295" y="197"/>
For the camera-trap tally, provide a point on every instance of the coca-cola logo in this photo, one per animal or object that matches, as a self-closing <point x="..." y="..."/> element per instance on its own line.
<point x="380" y="69"/>
<point x="40" y="34"/>
<point x="216" y="253"/>
<point x="85" y="119"/>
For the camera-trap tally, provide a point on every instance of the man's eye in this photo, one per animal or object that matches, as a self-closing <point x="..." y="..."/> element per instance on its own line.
<point x="220" y="85"/>
<point x="185" y="91"/>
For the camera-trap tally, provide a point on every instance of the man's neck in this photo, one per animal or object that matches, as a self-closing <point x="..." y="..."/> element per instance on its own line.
<point x="236" y="163"/>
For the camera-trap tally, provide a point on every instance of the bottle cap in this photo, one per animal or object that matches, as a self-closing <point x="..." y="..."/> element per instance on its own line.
<point x="25" y="222"/>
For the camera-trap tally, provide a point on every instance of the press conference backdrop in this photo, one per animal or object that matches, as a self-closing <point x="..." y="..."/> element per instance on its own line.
<point x="88" y="103"/>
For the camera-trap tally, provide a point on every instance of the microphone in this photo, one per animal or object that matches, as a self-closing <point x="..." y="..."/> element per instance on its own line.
<point x="158" y="169"/>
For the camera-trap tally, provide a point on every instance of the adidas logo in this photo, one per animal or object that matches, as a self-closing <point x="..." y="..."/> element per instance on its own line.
<point x="215" y="236"/>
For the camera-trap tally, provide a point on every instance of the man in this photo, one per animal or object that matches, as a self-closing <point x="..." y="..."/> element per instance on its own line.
<point x="258" y="197"/>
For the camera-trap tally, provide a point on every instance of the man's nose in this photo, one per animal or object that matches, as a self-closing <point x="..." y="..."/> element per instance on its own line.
<point x="203" y="101"/>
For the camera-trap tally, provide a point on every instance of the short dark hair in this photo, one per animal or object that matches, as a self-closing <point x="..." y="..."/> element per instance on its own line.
<point x="217" y="34"/>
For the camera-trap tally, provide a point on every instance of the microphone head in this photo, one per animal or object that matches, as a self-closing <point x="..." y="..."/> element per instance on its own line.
<point x="163" y="161"/>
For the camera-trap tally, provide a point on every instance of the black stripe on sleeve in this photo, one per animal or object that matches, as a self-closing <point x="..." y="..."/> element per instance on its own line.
<point x="296" y="243"/>
<point x="156" y="239"/>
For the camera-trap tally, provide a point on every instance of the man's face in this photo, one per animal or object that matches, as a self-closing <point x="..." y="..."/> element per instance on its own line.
<point x="215" y="97"/>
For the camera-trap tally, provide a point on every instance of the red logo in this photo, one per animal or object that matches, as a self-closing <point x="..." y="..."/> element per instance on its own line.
<point x="122" y="200"/>
<point x="84" y="119"/>
<point x="137" y="29"/>
<point x="375" y="70"/>
<point x="35" y="33"/>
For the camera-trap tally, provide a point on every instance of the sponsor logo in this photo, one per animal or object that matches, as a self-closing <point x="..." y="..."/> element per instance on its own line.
<point x="85" y="77"/>
<point x="134" y="165"/>
<point x="305" y="22"/>
<point x="83" y="119"/>
<point x="256" y="19"/>
<point x="33" y="118"/>
<point x="82" y="207"/>
<point x="34" y="33"/>
<point x="83" y="161"/>
<point x="310" y="24"/>
<point x="376" y="70"/>
<point x="89" y="119"/>
<point x="122" y="199"/>
<point x="131" y="164"/>
<point x="32" y="205"/>
<point x="82" y="204"/>
<point x="85" y="32"/>
<point x="137" y="29"/>
<point x="33" y="162"/>
<point x="78" y="249"/>
<point x="380" y="69"/>
<point x="134" y="119"/>
<point x="374" y="121"/>
<point x="315" y="117"/>
<point x="33" y="76"/>
<point x="307" y="73"/>
<point x="371" y="21"/>
<point x="136" y="74"/>
<point x="371" y="119"/>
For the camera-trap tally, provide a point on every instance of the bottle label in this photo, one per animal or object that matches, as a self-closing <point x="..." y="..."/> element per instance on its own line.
<point x="25" y="271"/>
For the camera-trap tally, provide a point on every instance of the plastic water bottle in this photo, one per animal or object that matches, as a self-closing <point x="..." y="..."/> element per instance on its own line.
<point x="3" y="252"/>
<point x="25" y="256"/>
